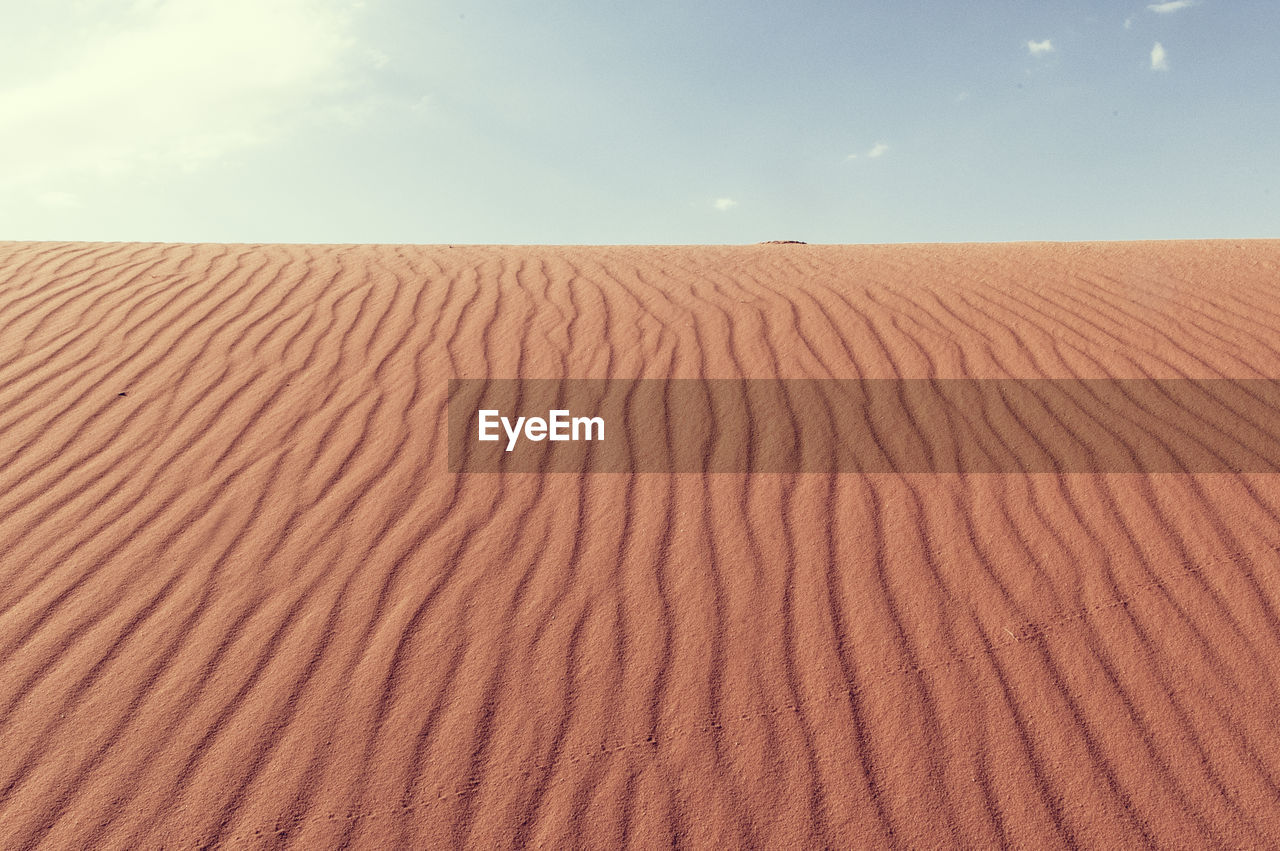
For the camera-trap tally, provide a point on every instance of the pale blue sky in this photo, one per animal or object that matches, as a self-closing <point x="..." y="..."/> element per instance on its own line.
<point x="663" y="122"/>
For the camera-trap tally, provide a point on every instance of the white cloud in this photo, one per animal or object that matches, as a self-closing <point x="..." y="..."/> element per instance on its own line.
<point x="723" y="204"/>
<point x="1128" y="23"/>
<point x="1172" y="6"/>
<point x="1037" y="48"/>
<point x="1159" y="62"/>
<point x="879" y="149"/>
<point x="172" y="85"/>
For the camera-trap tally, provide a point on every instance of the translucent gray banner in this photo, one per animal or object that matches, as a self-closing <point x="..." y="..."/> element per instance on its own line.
<point x="864" y="425"/>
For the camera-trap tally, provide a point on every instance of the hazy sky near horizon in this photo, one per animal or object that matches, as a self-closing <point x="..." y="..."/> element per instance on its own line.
<point x="665" y="122"/>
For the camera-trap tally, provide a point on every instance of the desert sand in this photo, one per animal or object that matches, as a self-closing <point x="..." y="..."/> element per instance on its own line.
<point x="244" y="603"/>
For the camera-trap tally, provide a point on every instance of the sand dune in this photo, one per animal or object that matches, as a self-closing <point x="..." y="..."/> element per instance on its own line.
<point x="243" y="601"/>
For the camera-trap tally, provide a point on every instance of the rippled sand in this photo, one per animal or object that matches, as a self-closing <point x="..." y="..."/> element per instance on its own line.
<point x="244" y="603"/>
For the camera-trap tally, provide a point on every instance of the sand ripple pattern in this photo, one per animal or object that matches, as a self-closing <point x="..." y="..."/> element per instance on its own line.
<point x="243" y="603"/>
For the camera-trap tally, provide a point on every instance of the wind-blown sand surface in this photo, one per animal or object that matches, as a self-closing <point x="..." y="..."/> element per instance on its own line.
<point x="244" y="603"/>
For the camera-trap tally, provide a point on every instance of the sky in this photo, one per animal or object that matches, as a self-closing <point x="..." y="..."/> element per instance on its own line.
<point x="689" y="122"/>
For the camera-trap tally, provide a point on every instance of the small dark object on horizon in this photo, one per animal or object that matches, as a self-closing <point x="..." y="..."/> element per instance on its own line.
<point x="782" y="242"/>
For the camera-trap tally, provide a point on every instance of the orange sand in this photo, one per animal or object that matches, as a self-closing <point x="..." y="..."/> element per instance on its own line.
<point x="245" y="603"/>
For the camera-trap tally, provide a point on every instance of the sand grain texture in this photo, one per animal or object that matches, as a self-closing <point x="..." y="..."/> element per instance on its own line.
<point x="243" y="602"/>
